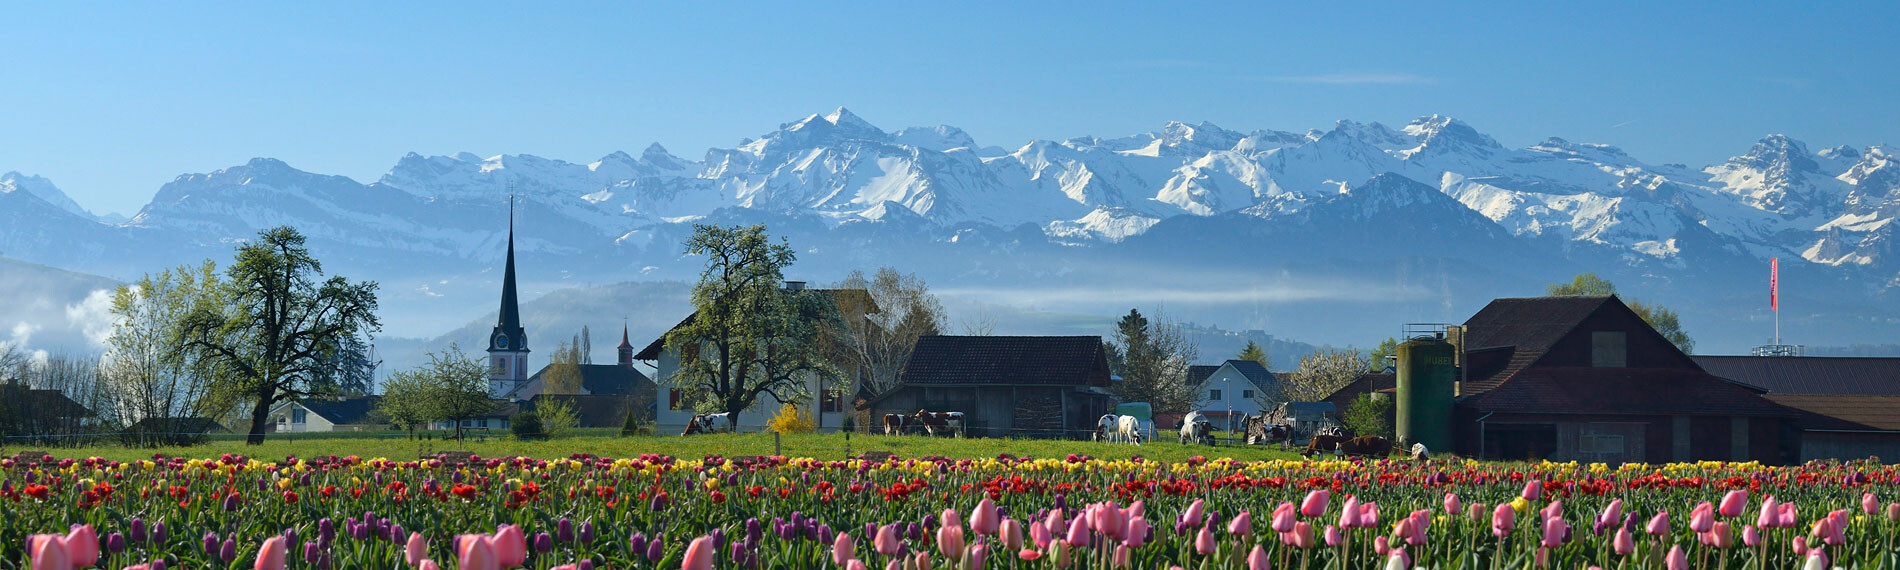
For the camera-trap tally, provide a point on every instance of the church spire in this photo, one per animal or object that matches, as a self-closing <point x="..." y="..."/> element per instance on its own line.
<point x="510" y="310"/>
<point x="508" y="343"/>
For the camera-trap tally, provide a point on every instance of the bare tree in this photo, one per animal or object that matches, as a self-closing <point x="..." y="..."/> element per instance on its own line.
<point x="563" y="375"/>
<point x="1152" y="358"/>
<point x="882" y="328"/>
<point x="983" y="323"/>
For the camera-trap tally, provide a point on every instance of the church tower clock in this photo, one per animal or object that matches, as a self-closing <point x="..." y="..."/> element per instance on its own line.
<point x="508" y="343"/>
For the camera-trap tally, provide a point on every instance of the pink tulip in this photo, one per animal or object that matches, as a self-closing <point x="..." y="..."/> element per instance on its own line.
<point x="1398" y="559"/>
<point x="1503" y="519"/>
<point x="1349" y="513"/>
<point x="1475" y="511"/>
<point x="1734" y="503"/>
<point x="886" y="541"/>
<point x="949" y="518"/>
<point x="477" y="552"/>
<point x="979" y="555"/>
<point x="1452" y="505"/>
<point x="894" y="565"/>
<point x="1011" y="533"/>
<point x="1120" y="558"/>
<point x="1676" y="560"/>
<point x="1381" y="545"/>
<point x="1789" y="516"/>
<point x="1817" y="559"/>
<point x="1403" y="530"/>
<point x="1039" y="534"/>
<point x="855" y="564"/>
<point x="428" y="564"/>
<point x="271" y="556"/>
<point x="511" y="546"/>
<point x="1554" y="529"/>
<point x="1078" y="534"/>
<point x="82" y="545"/>
<point x="50" y="555"/>
<point x="1659" y="524"/>
<point x="1283" y="517"/>
<point x="1194" y="512"/>
<point x="416" y="549"/>
<point x="983" y="519"/>
<point x="1623" y="543"/>
<point x="1257" y="559"/>
<point x="1137" y="532"/>
<point x="566" y="567"/>
<point x="1893" y="511"/>
<point x="1542" y="558"/>
<point x="1720" y="536"/>
<point x="1554" y="509"/>
<point x="1333" y="536"/>
<point x="950" y="541"/>
<point x="1751" y="536"/>
<point x="1702" y="518"/>
<point x="1315" y="503"/>
<point x="1135" y="509"/>
<point x="1303" y="535"/>
<point x="1799" y="546"/>
<point x="1204" y="542"/>
<point x="1368" y="514"/>
<point x="1533" y="489"/>
<point x="1611" y="514"/>
<point x="1055" y="523"/>
<point x="921" y="561"/>
<point x="1770" y="514"/>
<point x="1836" y="529"/>
<point x="1241" y="525"/>
<point x="1029" y="554"/>
<point x="843" y="549"/>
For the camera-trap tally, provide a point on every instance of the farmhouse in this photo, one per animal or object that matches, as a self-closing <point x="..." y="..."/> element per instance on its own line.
<point x="1021" y="386"/>
<point x="1848" y="407"/>
<point x="1232" y="390"/>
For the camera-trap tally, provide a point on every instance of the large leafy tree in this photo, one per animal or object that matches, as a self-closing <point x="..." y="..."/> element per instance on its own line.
<point x="1152" y="358"/>
<point x="149" y="378"/>
<point x="749" y="337"/>
<point x="1378" y="358"/>
<point x="882" y="327"/>
<point x="282" y="328"/>
<point x="1664" y="320"/>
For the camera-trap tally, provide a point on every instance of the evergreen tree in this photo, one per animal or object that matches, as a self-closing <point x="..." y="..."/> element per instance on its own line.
<point x="1152" y="360"/>
<point x="1253" y="352"/>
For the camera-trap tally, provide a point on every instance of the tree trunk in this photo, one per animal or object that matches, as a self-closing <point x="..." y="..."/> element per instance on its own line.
<point x="260" y="417"/>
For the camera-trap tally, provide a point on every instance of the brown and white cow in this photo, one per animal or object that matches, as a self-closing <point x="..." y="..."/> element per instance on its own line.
<point x="707" y="423"/>
<point x="1362" y="446"/>
<point x="941" y="423"/>
<point x="896" y="424"/>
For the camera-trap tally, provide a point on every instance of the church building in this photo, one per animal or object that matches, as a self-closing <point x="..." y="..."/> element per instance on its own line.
<point x="508" y="343"/>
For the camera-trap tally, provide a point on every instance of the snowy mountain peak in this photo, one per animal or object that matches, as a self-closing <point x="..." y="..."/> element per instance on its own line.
<point x="1440" y="129"/>
<point x="43" y="189"/>
<point x="1205" y="136"/>
<point x="1777" y="152"/>
<point x="939" y="138"/>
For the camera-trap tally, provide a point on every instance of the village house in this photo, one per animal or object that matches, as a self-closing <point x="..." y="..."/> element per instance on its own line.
<point x="1231" y="391"/>
<point x="1006" y="386"/>
<point x="1847" y="407"/>
<point x="827" y="405"/>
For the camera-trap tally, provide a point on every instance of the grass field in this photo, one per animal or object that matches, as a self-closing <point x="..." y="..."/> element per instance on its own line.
<point x="398" y="446"/>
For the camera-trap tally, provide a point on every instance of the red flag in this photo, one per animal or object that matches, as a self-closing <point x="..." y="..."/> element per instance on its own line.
<point x="1774" y="283"/>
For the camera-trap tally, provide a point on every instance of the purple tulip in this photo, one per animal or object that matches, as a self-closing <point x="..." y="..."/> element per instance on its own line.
<point x="584" y="564"/>
<point x="656" y="548"/>
<point x="310" y="552"/>
<point x="637" y="543"/>
<point x="158" y="532"/>
<point x="564" y="530"/>
<point x="543" y="543"/>
<point x="136" y="532"/>
<point x="210" y="543"/>
<point x="754" y="531"/>
<point x="326" y="530"/>
<point x="115" y="543"/>
<point x="229" y="552"/>
<point x="231" y="502"/>
<point x="587" y="532"/>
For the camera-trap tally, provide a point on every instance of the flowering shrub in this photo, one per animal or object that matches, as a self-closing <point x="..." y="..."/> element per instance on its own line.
<point x="792" y="419"/>
<point x="587" y="512"/>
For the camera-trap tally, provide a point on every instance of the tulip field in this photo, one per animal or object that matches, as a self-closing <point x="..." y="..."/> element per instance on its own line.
<point x="587" y="512"/>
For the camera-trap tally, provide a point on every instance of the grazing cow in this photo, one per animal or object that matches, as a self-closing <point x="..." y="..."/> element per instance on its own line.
<point x="1420" y="452"/>
<point x="1196" y="429"/>
<point x="1114" y="428"/>
<point x="1322" y="444"/>
<point x="896" y="424"/>
<point x="707" y="423"/>
<point x="935" y="423"/>
<point x="1260" y="432"/>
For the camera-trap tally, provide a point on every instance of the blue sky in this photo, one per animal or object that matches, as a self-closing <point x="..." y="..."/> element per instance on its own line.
<point x="112" y="100"/>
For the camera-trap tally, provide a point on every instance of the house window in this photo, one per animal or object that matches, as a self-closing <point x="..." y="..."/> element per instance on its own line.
<point x="1213" y="394"/>
<point x="834" y="401"/>
<point x="1248" y="394"/>
<point x="297" y="415"/>
<point x="672" y="398"/>
<point x="1601" y="444"/>
<point x="484" y="422"/>
<point x="1609" y="349"/>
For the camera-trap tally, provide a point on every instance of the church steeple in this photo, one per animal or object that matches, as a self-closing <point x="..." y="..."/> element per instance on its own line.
<point x="625" y="349"/>
<point x="508" y="343"/>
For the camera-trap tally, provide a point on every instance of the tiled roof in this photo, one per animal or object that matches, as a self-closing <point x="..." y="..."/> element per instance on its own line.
<point x="1059" y="360"/>
<point x="860" y="297"/>
<point x="345" y="411"/>
<point x="1255" y="373"/>
<point x="595" y="411"/>
<point x="1809" y="375"/>
<point x="1623" y="391"/>
<point x="1528" y="325"/>
<point x="178" y="425"/>
<point x="1198" y="373"/>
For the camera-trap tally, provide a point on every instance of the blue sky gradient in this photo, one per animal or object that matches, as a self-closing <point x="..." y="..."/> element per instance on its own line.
<point x="112" y="100"/>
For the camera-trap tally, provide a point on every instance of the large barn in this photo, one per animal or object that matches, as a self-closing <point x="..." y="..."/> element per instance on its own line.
<point x="1020" y="386"/>
<point x="1848" y="407"/>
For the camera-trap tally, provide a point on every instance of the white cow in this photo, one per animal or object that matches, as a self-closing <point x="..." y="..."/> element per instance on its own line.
<point x="1114" y="428"/>
<point x="1420" y="452"/>
<point x="1196" y="429"/>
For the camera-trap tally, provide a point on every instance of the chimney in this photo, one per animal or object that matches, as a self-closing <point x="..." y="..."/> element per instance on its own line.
<point x="794" y="285"/>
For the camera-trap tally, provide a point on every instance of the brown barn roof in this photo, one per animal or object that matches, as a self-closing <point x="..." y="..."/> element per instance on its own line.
<point x="1058" y="360"/>
<point x="594" y="411"/>
<point x="1623" y="391"/>
<point x="859" y="296"/>
<point x="1525" y="326"/>
<point x="1853" y="413"/>
<point x="1810" y="375"/>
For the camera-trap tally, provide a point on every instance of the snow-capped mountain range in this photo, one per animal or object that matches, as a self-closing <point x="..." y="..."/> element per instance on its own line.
<point x="1436" y="192"/>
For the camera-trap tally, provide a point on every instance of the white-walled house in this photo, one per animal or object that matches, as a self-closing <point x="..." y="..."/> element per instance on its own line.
<point x="1232" y="390"/>
<point x="828" y="406"/>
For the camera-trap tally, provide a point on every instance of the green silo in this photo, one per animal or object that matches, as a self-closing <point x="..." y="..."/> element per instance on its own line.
<point x="1428" y="375"/>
